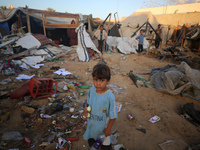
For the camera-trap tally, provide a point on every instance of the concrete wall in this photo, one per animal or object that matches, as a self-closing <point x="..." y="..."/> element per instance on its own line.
<point x="172" y="19"/>
<point x="184" y="8"/>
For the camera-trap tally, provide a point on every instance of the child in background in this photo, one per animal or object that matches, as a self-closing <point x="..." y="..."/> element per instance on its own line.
<point x="140" y="39"/>
<point x="104" y="110"/>
<point x="101" y="35"/>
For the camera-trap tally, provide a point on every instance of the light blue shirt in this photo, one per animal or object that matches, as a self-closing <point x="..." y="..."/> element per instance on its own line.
<point x="103" y="108"/>
<point x="141" y="38"/>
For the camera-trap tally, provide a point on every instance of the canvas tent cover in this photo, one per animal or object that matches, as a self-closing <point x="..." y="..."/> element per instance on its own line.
<point x="55" y="20"/>
<point x="174" y="80"/>
<point x="136" y="20"/>
<point x="84" y="42"/>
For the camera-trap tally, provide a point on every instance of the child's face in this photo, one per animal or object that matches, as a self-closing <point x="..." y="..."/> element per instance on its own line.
<point x="141" y="32"/>
<point x="100" y="84"/>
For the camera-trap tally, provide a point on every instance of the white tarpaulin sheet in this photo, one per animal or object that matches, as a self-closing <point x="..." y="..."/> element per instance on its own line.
<point x="126" y="45"/>
<point x="84" y="42"/>
<point x="32" y="60"/>
<point x="28" y="41"/>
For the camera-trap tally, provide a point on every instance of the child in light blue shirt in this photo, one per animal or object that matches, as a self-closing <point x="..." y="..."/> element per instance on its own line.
<point x="140" y="39"/>
<point x="104" y="110"/>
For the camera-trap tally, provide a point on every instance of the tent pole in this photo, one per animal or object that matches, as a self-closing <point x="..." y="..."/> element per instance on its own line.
<point x="108" y="23"/>
<point x="138" y="30"/>
<point x="155" y="31"/>
<point x="167" y="34"/>
<point x="2" y="15"/>
<point x="106" y="18"/>
<point x="28" y="19"/>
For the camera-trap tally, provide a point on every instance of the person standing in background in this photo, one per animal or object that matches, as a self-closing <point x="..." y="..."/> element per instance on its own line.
<point x="101" y="35"/>
<point x="157" y="39"/>
<point x="72" y="35"/>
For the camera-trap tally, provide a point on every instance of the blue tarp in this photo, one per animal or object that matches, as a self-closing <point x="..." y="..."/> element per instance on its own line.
<point x="5" y="24"/>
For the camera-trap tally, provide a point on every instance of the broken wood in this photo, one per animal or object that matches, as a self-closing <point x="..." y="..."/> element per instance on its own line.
<point x="28" y="20"/>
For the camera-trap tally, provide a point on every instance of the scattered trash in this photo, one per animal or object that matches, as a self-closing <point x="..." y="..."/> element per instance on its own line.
<point x="73" y="139"/>
<point x="14" y="135"/>
<point x="71" y="109"/>
<point x="62" y="72"/>
<point x="23" y="76"/>
<point x="74" y="116"/>
<point x="6" y="81"/>
<point x="84" y="87"/>
<point x="114" y="138"/>
<point x="133" y="77"/>
<point x="119" y="147"/>
<point x="28" y="110"/>
<point x="71" y="87"/>
<point x="130" y="117"/>
<point x="154" y="119"/>
<point x="114" y="88"/>
<point x="119" y="106"/>
<point x="141" y="130"/>
<point x="37" y="66"/>
<point x="45" y="116"/>
<point x="54" y="95"/>
<point x="173" y="144"/>
<point x="27" y="140"/>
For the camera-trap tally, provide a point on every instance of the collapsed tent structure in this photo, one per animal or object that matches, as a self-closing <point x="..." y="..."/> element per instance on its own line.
<point x="176" y="80"/>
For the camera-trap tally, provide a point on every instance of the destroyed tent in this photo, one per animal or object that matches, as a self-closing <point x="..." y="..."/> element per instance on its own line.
<point x="177" y="80"/>
<point x="24" y="52"/>
<point x="193" y="38"/>
<point x="129" y="26"/>
<point x="136" y="20"/>
<point x="36" y="22"/>
<point x="84" y="42"/>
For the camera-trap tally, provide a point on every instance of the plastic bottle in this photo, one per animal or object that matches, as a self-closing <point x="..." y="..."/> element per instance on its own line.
<point x="99" y="141"/>
<point x="71" y="87"/>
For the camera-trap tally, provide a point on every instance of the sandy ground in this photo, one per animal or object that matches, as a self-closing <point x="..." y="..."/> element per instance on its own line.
<point x="143" y="103"/>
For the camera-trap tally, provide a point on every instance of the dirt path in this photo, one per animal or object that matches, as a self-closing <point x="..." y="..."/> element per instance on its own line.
<point x="143" y="103"/>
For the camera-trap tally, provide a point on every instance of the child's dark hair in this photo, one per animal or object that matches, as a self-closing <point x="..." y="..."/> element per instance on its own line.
<point x="101" y="71"/>
<point x="141" y="30"/>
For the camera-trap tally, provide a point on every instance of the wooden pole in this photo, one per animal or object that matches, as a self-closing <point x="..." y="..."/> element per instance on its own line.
<point x="175" y="32"/>
<point x="43" y="24"/>
<point x="28" y="20"/>
<point x="183" y="34"/>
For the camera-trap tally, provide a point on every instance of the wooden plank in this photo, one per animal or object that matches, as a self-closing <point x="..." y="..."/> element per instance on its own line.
<point x="43" y="25"/>
<point x="28" y="19"/>
<point x="56" y="14"/>
<point x="62" y="16"/>
<point x="48" y="25"/>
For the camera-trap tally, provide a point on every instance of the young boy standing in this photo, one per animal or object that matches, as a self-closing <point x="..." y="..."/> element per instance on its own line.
<point x="140" y="39"/>
<point x="101" y="35"/>
<point x="104" y="110"/>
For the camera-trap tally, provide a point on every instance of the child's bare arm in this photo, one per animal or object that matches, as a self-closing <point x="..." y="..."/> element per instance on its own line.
<point x="107" y="131"/>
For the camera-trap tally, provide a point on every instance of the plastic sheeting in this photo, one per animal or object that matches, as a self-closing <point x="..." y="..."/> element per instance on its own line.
<point x="126" y="45"/>
<point x="28" y="41"/>
<point x="84" y="42"/>
<point x="56" y="20"/>
<point x="177" y="80"/>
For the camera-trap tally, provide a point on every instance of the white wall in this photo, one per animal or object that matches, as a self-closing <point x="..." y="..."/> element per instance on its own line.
<point x="184" y="8"/>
